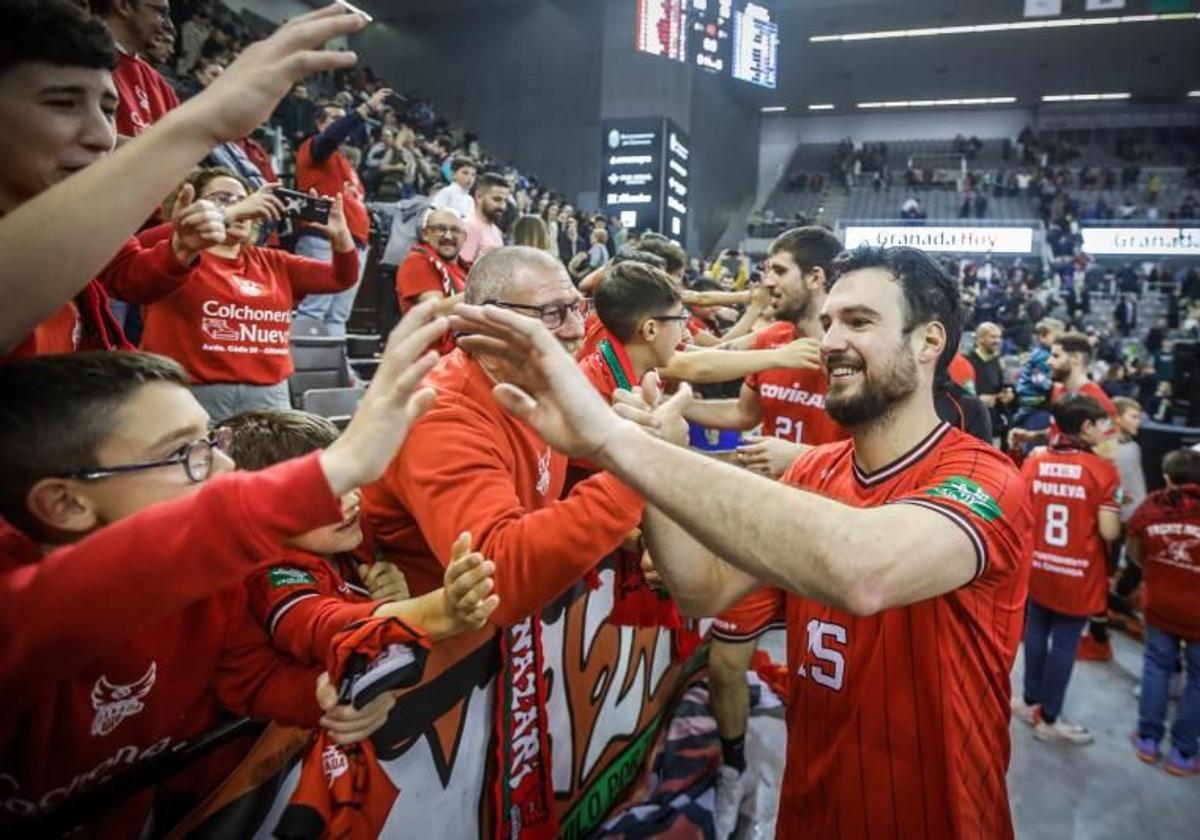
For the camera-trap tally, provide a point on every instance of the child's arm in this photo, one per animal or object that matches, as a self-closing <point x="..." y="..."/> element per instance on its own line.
<point x="463" y="602"/>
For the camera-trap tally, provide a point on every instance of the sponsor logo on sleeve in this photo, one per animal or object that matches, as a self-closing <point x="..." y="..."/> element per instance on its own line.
<point x="281" y="576"/>
<point x="970" y="495"/>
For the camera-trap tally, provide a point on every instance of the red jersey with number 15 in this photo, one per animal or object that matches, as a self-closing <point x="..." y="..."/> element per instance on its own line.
<point x="793" y="401"/>
<point x="898" y="722"/>
<point x="1068" y="487"/>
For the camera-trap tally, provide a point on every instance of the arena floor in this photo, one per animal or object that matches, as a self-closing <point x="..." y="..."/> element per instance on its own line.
<point x="1097" y="792"/>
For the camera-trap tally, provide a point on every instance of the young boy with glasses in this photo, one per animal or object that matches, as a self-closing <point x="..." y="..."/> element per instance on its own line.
<point x="125" y="542"/>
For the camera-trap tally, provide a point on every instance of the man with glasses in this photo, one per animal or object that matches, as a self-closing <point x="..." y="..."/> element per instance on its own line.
<point x="136" y="25"/>
<point x="471" y="466"/>
<point x="125" y="539"/>
<point x="433" y="269"/>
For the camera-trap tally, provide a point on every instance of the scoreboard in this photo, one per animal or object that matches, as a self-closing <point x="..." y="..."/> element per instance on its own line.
<point x="734" y="37"/>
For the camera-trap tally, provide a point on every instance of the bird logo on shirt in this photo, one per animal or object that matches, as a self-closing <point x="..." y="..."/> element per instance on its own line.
<point x="114" y="702"/>
<point x="247" y="287"/>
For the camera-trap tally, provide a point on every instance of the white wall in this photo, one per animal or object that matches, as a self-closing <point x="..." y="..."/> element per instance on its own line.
<point x="781" y="133"/>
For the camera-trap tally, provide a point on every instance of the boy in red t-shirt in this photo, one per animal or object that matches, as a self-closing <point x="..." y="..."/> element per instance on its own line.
<point x="1076" y="498"/>
<point x="124" y="547"/>
<point x="315" y="588"/>
<point x="1164" y="539"/>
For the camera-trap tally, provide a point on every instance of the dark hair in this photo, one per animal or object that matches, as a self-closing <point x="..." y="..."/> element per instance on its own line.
<point x="267" y="437"/>
<point x="1072" y="411"/>
<point x="488" y="180"/>
<point x="811" y="247"/>
<point x="657" y="244"/>
<point x="1182" y="466"/>
<point x="930" y="294"/>
<point x="1074" y="342"/>
<point x="706" y="284"/>
<point x="58" y="410"/>
<point x="630" y="292"/>
<point x="53" y="32"/>
<point x="461" y="163"/>
<point x="640" y="256"/>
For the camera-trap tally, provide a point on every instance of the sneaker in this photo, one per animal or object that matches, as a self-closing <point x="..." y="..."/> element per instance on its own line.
<point x="1092" y="651"/>
<point x="1177" y="765"/>
<point x="1024" y="712"/>
<point x="729" y="801"/>
<point x="1146" y="748"/>
<point x="1062" y="731"/>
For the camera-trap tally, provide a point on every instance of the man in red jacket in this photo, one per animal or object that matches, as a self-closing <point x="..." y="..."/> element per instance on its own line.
<point x="322" y="167"/>
<point x="433" y="268"/>
<point x="118" y="500"/>
<point x="470" y="466"/>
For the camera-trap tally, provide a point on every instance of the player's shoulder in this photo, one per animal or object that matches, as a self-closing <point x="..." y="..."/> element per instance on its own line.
<point x="964" y="448"/>
<point x="818" y="462"/>
<point x="781" y="332"/>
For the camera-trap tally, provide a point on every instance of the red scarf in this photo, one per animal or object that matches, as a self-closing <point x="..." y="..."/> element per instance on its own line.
<point x="451" y="284"/>
<point x="343" y="793"/>
<point x="523" y="795"/>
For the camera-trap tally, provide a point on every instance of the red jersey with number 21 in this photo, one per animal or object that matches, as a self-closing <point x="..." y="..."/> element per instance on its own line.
<point x="898" y="722"/>
<point x="792" y="400"/>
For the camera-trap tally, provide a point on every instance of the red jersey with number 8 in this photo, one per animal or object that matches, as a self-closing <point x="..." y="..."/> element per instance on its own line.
<point x="793" y="401"/>
<point x="1068" y="487"/>
<point x="898" y="722"/>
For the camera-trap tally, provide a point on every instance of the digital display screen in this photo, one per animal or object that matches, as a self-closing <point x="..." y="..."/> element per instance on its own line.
<point x="734" y="37"/>
<point x="645" y="175"/>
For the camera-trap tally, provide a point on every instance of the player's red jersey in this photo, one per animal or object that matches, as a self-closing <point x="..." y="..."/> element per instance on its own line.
<point x="793" y="401"/>
<point x="1087" y="389"/>
<point x="898" y="722"/>
<point x="1168" y="525"/>
<point x="1068" y="487"/>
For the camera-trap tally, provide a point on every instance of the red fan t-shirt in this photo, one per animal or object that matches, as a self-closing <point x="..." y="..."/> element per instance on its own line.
<point x="793" y="400"/>
<point x="898" y="722"/>
<point x="1068" y="487"/>
<point x="1168" y="525"/>
<point x="145" y="96"/>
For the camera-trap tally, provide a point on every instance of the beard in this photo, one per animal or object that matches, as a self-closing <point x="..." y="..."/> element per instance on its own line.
<point x="876" y="396"/>
<point x="792" y="308"/>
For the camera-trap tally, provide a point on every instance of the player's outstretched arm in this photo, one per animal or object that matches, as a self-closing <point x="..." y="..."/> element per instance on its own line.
<point x="743" y="413"/>
<point x="862" y="560"/>
<point x="97" y="209"/>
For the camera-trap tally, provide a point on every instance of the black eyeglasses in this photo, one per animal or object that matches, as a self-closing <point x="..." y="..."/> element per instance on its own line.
<point x="552" y="315"/>
<point x="196" y="458"/>
<point x="446" y="230"/>
<point x="678" y="319"/>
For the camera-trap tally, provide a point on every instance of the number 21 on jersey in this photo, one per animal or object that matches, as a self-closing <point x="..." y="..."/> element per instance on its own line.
<point x="823" y="664"/>
<point x="788" y="429"/>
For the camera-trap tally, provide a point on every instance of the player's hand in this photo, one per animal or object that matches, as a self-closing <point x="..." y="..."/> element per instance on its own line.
<point x="801" y="354"/>
<point x="646" y="406"/>
<point x="558" y="401"/>
<point x="346" y="724"/>
<point x="259" y="205"/>
<point x="769" y="456"/>
<point x="385" y="581"/>
<point x="336" y="228"/>
<point x="243" y="97"/>
<point x="468" y="585"/>
<point x="760" y="297"/>
<point x="198" y="225"/>
<point x="393" y="402"/>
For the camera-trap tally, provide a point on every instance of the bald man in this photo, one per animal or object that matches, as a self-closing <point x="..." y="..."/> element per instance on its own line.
<point x="985" y="358"/>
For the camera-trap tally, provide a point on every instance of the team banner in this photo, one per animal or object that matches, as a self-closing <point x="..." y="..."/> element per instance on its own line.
<point x="609" y="689"/>
<point x="1141" y="241"/>
<point x="958" y="240"/>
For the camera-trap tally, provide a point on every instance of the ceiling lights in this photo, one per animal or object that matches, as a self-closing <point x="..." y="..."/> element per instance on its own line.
<point x="774" y="109"/>
<point x="940" y="103"/>
<point x="1084" y="97"/>
<point x="829" y="107"/>
<point x="1053" y="23"/>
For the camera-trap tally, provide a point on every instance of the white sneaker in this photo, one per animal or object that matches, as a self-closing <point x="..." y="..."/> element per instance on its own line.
<point x="729" y="801"/>
<point x="1024" y="712"/>
<point x="1062" y="731"/>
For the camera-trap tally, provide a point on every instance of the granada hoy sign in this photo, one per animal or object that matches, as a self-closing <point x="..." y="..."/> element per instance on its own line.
<point x="957" y="240"/>
<point x="1142" y="241"/>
